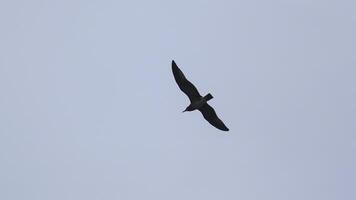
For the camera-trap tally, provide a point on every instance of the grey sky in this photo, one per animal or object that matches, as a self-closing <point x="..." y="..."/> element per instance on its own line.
<point x="89" y="108"/>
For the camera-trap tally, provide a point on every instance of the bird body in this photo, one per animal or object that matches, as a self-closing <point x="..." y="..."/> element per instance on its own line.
<point x="197" y="102"/>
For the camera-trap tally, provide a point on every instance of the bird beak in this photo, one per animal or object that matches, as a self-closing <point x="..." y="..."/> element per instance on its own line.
<point x="184" y="111"/>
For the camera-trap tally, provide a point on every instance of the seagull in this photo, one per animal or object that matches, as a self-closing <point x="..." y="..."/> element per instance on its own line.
<point x="197" y="102"/>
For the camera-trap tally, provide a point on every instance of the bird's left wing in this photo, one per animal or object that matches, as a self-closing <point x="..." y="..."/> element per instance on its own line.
<point x="186" y="86"/>
<point x="210" y="115"/>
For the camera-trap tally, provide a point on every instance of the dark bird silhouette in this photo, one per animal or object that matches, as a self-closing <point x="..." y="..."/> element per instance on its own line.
<point x="197" y="102"/>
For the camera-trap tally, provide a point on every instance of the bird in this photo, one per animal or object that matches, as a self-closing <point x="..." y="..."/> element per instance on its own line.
<point x="197" y="102"/>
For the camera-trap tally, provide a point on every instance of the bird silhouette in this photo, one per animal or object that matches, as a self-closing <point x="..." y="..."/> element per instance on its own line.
<point x="197" y="102"/>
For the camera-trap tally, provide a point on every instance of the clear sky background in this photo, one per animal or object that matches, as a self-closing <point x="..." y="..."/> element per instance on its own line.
<point x="89" y="109"/>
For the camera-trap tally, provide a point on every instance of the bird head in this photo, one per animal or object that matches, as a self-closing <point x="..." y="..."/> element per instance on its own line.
<point x="189" y="108"/>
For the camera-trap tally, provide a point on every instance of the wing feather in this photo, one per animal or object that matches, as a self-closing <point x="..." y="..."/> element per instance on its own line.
<point x="187" y="87"/>
<point x="210" y="115"/>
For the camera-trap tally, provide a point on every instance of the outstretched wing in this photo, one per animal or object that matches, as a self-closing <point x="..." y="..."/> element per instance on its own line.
<point x="210" y="115"/>
<point x="187" y="87"/>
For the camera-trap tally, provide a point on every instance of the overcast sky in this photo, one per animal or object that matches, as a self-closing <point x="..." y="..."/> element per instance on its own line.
<point x="89" y="109"/>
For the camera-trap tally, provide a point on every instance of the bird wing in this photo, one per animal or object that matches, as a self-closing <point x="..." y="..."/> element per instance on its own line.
<point x="187" y="87"/>
<point x="210" y="115"/>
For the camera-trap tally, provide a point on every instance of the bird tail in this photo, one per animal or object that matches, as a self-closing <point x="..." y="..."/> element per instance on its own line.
<point x="208" y="97"/>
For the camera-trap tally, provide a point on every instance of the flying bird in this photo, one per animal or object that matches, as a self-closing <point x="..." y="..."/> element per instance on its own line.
<point x="197" y="102"/>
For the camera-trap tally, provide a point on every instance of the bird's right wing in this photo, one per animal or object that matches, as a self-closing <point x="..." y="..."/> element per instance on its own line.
<point x="187" y="87"/>
<point x="210" y="115"/>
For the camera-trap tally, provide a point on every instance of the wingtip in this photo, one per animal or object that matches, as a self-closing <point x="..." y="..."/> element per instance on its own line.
<point x="174" y="65"/>
<point x="225" y="129"/>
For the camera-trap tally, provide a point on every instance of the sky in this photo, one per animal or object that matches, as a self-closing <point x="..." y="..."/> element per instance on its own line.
<point x="89" y="108"/>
